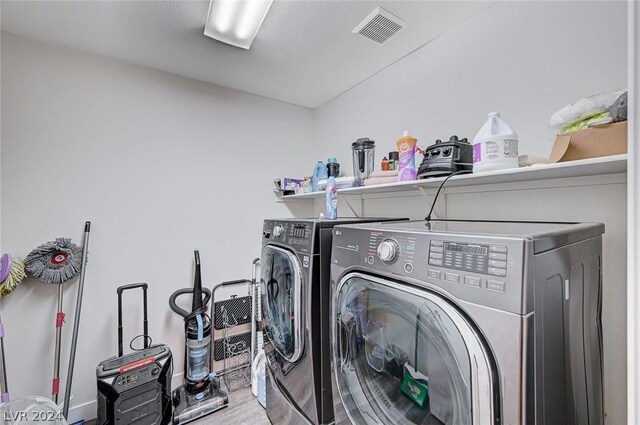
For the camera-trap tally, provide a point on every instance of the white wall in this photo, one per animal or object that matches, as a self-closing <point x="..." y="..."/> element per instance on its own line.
<point x="160" y="164"/>
<point x="525" y="60"/>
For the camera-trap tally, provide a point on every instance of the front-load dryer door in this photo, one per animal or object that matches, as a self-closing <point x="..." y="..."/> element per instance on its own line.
<point x="282" y="301"/>
<point x="408" y="356"/>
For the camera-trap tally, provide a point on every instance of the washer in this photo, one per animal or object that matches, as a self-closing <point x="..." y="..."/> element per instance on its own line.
<point x="295" y="287"/>
<point x="494" y="323"/>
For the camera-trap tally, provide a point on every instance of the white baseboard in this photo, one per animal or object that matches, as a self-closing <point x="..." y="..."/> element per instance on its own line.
<point x="85" y="411"/>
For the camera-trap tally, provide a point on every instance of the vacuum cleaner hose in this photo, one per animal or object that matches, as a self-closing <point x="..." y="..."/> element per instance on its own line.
<point x="176" y="309"/>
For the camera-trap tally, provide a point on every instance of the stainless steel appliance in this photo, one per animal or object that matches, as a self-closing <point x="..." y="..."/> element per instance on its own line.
<point x="488" y="322"/>
<point x="294" y="283"/>
<point x="363" y="151"/>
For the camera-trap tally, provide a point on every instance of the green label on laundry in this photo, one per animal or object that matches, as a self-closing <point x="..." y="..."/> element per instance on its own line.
<point x="416" y="390"/>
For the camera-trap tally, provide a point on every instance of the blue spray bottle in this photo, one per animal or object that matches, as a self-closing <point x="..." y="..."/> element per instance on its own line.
<point x="331" y="191"/>
<point x="319" y="173"/>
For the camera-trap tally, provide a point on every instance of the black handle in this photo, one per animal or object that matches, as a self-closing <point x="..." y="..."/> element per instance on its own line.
<point x="361" y="160"/>
<point x="123" y="288"/>
<point x="229" y="282"/>
<point x="233" y="282"/>
<point x="272" y="288"/>
<point x="196" y="302"/>
<point x="175" y="295"/>
<point x="145" y="323"/>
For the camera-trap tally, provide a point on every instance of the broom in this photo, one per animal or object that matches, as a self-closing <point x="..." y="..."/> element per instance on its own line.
<point x="11" y="274"/>
<point x="415" y="385"/>
<point x="55" y="262"/>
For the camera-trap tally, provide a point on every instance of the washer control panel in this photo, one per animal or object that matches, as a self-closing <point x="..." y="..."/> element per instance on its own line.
<point x="483" y="269"/>
<point x="477" y="258"/>
<point x="385" y="250"/>
<point x="297" y="235"/>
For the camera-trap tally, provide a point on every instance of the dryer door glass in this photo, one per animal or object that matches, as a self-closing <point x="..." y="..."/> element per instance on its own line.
<point x="407" y="356"/>
<point x="281" y="300"/>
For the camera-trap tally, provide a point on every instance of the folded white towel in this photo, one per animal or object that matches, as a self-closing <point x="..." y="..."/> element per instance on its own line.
<point x="385" y="173"/>
<point x="372" y="181"/>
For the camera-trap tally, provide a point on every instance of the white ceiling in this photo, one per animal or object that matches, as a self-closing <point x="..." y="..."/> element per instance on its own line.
<point x="304" y="53"/>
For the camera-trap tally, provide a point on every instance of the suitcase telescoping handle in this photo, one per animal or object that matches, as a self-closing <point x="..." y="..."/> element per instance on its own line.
<point x="145" y="323"/>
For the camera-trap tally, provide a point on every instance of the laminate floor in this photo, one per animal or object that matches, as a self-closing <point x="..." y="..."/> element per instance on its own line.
<point x="243" y="409"/>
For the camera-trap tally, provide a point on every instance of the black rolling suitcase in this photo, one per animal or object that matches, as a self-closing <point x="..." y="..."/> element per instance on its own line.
<point x="135" y="388"/>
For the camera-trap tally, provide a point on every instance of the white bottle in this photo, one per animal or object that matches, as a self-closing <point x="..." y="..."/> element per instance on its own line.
<point x="495" y="147"/>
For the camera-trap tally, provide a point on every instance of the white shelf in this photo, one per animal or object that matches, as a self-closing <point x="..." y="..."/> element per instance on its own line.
<point x="613" y="164"/>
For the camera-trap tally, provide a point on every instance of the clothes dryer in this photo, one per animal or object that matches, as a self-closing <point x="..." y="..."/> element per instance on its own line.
<point x="467" y="322"/>
<point x="295" y="288"/>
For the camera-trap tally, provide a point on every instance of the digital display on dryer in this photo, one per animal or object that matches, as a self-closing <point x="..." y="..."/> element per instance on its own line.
<point x="460" y="256"/>
<point x="299" y="231"/>
<point x="467" y="249"/>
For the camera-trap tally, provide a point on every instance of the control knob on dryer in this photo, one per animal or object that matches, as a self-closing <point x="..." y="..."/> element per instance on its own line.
<point x="277" y="230"/>
<point x="387" y="250"/>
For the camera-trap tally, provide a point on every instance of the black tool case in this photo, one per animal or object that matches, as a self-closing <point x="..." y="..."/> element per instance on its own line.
<point x="135" y="388"/>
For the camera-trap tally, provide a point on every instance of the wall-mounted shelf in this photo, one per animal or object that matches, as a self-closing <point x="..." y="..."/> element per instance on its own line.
<point x="613" y="164"/>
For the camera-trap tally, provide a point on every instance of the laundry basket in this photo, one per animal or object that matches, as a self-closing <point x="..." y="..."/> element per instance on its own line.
<point x="31" y="410"/>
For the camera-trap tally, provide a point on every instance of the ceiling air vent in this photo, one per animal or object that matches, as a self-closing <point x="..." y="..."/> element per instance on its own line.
<point x="379" y="26"/>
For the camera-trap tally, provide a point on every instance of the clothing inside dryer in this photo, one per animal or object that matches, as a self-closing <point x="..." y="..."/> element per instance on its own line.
<point x="379" y="327"/>
<point x="278" y="278"/>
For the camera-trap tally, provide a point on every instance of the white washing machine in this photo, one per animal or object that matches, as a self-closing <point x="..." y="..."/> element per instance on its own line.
<point x="467" y="322"/>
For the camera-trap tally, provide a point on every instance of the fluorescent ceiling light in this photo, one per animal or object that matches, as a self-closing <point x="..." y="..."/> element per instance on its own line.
<point x="236" y="22"/>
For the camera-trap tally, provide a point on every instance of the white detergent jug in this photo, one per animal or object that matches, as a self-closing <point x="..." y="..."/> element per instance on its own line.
<point x="495" y="147"/>
<point x="257" y="366"/>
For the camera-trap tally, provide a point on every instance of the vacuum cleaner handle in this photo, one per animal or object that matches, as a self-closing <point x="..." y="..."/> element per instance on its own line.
<point x="145" y="323"/>
<point x="183" y="291"/>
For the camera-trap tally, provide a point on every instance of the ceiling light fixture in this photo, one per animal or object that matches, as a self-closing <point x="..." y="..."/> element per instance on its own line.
<point x="236" y="22"/>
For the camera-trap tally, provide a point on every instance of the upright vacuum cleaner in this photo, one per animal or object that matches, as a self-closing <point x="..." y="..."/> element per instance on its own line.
<point x="200" y="395"/>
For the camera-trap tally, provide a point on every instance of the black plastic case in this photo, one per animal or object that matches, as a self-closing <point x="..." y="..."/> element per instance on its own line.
<point x="444" y="158"/>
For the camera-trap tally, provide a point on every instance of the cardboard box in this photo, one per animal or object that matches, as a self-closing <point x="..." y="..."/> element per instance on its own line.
<point x="603" y="140"/>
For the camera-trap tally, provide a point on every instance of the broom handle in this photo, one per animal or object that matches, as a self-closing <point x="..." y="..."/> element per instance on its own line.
<point x="76" y="320"/>
<point x="4" y="388"/>
<point x="55" y="384"/>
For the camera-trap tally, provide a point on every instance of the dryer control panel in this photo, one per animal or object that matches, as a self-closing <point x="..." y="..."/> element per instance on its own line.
<point x="481" y="269"/>
<point x="297" y="235"/>
<point x="478" y="258"/>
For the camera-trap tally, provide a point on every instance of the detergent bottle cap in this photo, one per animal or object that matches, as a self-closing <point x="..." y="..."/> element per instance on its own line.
<point x="406" y="133"/>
